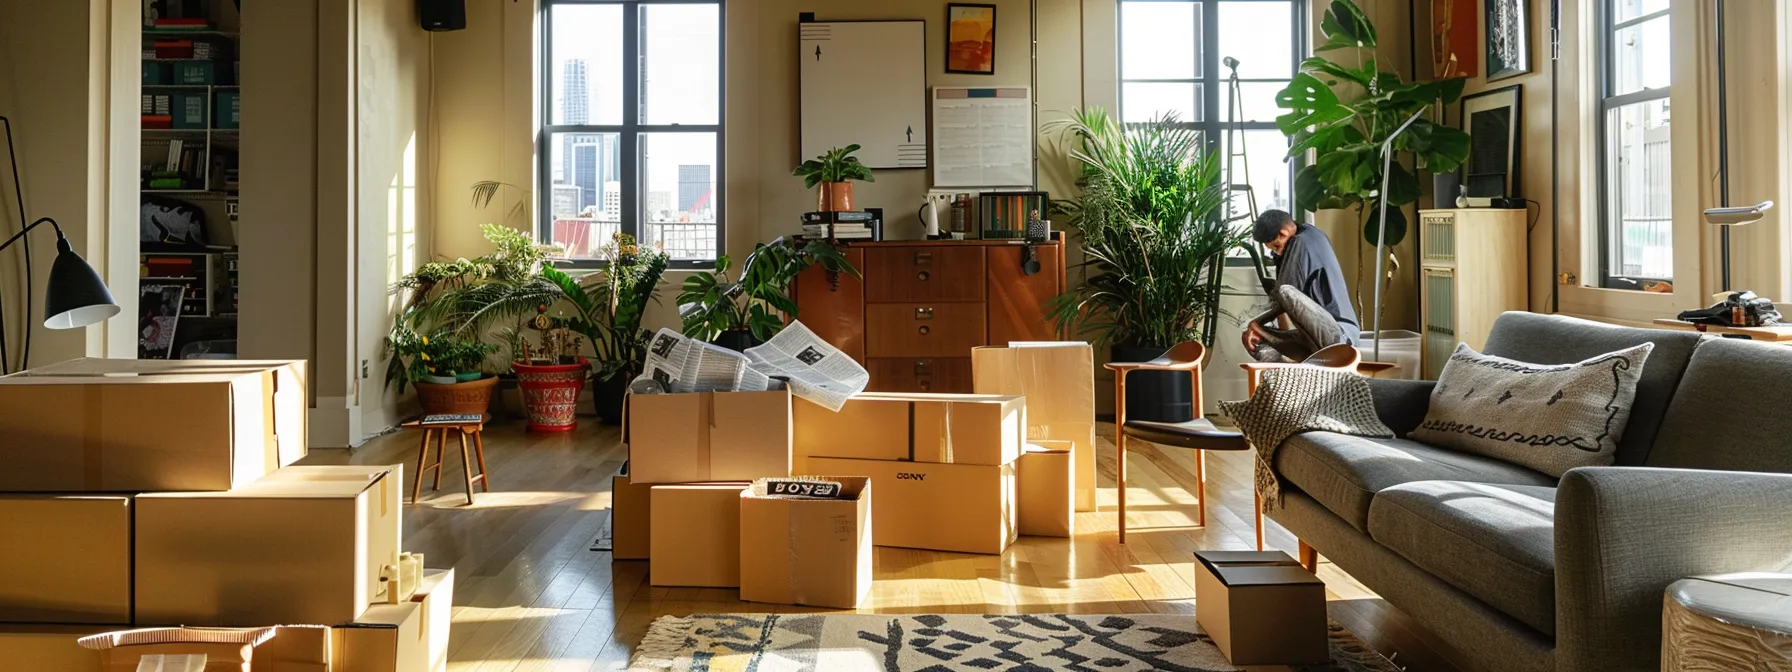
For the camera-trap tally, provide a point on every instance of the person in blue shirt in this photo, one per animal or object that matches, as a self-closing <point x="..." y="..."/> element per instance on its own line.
<point x="1309" y="290"/>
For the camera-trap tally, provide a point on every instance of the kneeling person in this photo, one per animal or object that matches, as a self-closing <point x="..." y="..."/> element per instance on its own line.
<point x="1309" y="290"/>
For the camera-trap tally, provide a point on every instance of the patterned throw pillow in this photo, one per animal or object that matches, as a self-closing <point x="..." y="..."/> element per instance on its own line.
<point x="1551" y="418"/>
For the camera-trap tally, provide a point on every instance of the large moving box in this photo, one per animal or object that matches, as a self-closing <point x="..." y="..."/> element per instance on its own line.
<point x="629" y="519"/>
<point x="945" y="507"/>
<point x="1046" y="484"/>
<point x="980" y="429"/>
<point x="107" y="425"/>
<point x="65" y="559"/>
<point x="288" y="550"/>
<point x="406" y="637"/>
<point x="1261" y="607"/>
<point x="708" y="436"/>
<point x="807" y="551"/>
<point x="1058" y="380"/>
<point x="47" y="647"/>
<point x="695" y="535"/>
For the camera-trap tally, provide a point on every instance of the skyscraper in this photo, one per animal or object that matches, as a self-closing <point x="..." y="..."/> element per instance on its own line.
<point x="693" y="186"/>
<point x="587" y="160"/>
<point x="575" y="108"/>
<point x="583" y="167"/>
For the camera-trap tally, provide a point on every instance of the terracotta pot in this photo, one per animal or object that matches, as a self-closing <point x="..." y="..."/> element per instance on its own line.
<point x="834" y="197"/>
<point x="459" y="398"/>
<point x="551" y="394"/>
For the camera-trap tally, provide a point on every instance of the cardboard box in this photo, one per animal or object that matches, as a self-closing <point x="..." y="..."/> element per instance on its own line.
<point x="708" y="436"/>
<point x="1058" y="380"/>
<point x="945" y="507"/>
<point x="65" y="559"/>
<point x="807" y="551"/>
<point x="948" y="428"/>
<point x="1046" y="483"/>
<point x="109" y="425"/>
<point x="48" y="647"/>
<point x="1260" y="607"/>
<point x="695" y="531"/>
<point x="288" y="648"/>
<point x="295" y="549"/>
<point x="629" y="519"/>
<point x="407" y="637"/>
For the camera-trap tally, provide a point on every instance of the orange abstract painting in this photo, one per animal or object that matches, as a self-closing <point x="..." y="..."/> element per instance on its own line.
<point x="971" y="39"/>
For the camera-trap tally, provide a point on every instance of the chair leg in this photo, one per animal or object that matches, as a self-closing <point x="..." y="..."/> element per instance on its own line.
<point x="1120" y="477"/>
<point x="1309" y="557"/>
<point x="1201" y="488"/>
<point x="466" y="466"/>
<point x="422" y="462"/>
<point x="485" y="477"/>
<point x="441" y="455"/>
<point x="1257" y="511"/>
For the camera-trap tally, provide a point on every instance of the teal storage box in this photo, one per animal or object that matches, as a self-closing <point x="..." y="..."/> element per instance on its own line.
<point x="155" y="72"/>
<point x="195" y="72"/>
<point x="190" y="110"/>
<point x="230" y="110"/>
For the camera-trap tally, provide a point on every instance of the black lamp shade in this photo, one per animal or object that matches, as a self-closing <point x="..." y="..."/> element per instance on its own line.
<point x="76" y="297"/>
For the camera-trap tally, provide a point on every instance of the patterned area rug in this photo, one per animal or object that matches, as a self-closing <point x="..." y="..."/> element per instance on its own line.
<point x="950" y="643"/>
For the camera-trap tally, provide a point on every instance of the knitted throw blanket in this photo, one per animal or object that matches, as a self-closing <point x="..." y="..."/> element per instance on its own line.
<point x="1296" y="399"/>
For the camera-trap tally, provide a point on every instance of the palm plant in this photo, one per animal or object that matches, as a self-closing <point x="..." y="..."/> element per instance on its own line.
<point x="1148" y="223"/>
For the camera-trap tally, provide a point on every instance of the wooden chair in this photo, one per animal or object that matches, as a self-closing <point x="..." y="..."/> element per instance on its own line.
<point x="1198" y="434"/>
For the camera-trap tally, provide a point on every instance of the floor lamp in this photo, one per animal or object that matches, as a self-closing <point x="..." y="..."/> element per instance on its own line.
<point x="1387" y="161"/>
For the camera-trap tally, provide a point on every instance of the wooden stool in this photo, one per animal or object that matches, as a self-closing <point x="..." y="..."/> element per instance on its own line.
<point x="474" y="429"/>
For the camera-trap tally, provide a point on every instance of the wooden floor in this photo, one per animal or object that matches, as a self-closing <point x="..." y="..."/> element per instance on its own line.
<point x="532" y="595"/>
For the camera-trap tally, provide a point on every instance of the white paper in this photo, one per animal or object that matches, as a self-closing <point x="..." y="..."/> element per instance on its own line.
<point x="983" y="142"/>
<point x="815" y="370"/>
<point x="681" y="364"/>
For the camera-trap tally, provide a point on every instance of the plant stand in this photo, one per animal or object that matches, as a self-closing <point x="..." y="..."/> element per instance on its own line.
<point x="551" y="394"/>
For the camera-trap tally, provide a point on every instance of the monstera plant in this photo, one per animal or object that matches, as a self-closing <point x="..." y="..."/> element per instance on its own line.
<point x="1343" y="107"/>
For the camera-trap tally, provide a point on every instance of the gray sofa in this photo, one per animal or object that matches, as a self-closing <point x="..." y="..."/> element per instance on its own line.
<point x="1519" y="571"/>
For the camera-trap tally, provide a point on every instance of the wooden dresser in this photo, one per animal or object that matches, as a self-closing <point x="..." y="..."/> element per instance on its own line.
<point x="923" y="305"/>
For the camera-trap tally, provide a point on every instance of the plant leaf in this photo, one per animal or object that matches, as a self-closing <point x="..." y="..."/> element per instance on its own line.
<point x="1396" y="224"/>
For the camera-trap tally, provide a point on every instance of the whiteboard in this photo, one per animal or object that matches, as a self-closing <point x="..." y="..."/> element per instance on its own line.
<point x="983" y="137"/>
<point x="865" y="83"/>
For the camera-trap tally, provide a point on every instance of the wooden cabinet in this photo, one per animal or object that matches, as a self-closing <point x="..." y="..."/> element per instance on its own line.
<point x="923" y="305"/>
<point x="1473" y="265"/>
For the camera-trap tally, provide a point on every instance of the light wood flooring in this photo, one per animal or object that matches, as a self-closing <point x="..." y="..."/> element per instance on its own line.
<point x="531" y="595"/>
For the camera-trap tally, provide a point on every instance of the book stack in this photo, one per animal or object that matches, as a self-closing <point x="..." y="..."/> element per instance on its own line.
<point x="179" y="24"/>
<point x="185" y="168"/>
<point x="847" y="225"/>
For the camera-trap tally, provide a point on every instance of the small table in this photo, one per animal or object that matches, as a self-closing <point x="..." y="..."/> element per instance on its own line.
<point x="1781" y="334"/>
<point x="440" y="432"/>
<point x="1728" y="622"/>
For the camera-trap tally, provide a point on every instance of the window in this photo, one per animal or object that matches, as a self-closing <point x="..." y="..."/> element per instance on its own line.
<point x="1635" y="171"/>
<point x="1172" y="59"/>
<point x="631" y="136"/>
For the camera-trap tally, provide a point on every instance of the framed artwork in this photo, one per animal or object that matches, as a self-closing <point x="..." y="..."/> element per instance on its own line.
<point x="971" y="39"/>
<point x="159" y="308"/>
<point x="1508" y="45"/>
<point x="1453" y="33"/>
<point x="1491" y="119"/>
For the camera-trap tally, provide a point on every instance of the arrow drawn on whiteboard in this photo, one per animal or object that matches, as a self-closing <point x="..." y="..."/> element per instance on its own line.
<point x="817" y="52"/>
<point x="911" y="134"/>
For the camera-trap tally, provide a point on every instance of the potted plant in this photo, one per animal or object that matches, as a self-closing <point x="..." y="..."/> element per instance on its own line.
<point x="551" y="375"/>
<point x="444" y="369"/>
<point x="741" y="313"/>
<point x="834" y="172"/>
<point x="1154" y="248"/>
<point x="1344" y="113"/>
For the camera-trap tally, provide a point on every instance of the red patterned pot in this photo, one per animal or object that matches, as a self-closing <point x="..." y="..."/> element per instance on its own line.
<point x="551" y="394"/>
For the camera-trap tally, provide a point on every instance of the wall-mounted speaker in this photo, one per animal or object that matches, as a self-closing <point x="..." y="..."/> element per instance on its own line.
<point x="443" y="14"/>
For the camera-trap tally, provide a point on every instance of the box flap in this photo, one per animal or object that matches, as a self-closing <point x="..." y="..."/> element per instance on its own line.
<point x="385" y="616"/>
<point x="1265" y="575"/>
<point x="1211" y="558"/>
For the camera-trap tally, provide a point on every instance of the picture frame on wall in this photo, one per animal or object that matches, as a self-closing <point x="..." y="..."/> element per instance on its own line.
<point x="1453" y="34"/>
<point x="971" y="38"/>
<point x="1493" y="122"/>
<point x="1507" y="44"/>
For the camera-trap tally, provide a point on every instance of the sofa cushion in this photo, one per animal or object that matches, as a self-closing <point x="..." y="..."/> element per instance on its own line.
<point x="1495" y="542"/>
<point x="1344" y="472"/>
<point x="1730" y="410"/>
<point x="1554" y="339"/>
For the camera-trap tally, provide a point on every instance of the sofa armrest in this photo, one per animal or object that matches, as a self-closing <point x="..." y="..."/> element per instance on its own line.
<point x="1401" y="404"/>
<point x="1624" y="533"/>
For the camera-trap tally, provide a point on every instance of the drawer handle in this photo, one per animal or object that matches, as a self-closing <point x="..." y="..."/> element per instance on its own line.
<point x="921" y="367"/>
<point x="925" y="329"/>
<point x="923" y="258"/>
<point x="923" y="313"/>
<point x="923" y="276"/>
<point x="925" y="385"/>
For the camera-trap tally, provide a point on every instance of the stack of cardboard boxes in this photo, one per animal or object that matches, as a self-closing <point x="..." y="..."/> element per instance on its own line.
<point x="155" y="493"/>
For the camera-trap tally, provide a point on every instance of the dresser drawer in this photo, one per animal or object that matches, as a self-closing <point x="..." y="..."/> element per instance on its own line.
<point x="923" y="329"/>
<point x="924" y="273"/>
<point x="920" y="374"/>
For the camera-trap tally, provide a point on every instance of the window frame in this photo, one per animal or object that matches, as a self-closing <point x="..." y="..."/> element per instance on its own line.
<point x="1607" y="76"/>
<point x="630" y="156"/>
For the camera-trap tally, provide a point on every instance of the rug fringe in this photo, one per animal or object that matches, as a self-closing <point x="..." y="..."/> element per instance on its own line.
<point x="665" y="640"/>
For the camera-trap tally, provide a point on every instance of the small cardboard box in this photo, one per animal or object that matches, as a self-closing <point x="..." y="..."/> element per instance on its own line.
<point x="1058" y="380"/>
<point x="695" y="529"/>
<point x="980" y="429"/>
<point x="629" y="519"/>
<point x="124" y="425"/>
<point x="295" y="549"/>
<point x="965" y="508"/>
<point x="708" y="436"/>
<point x="1047" y="486"/>
<point x="65" y="559"/>
<point x="1260" y="607"/>
<point x="807" y="551"/>
<point x="406" y="637"/>
<point x="48" y="647"/>
<point x="287" y="648"/>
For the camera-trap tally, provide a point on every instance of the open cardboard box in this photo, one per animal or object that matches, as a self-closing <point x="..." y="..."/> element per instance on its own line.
<point x="807" y="551"/>
<point x="1261" y="607"/>
<point x="973" y="429"/>
<point x="708" y="436"/>
<point x="1058" y="380"/>
<point x="110" y="425"/>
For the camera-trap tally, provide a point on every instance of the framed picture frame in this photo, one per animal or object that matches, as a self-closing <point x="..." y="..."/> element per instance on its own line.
<point x="1493" y="122"/>
<point x="1507" y="43"/>
<point x="971" y="38"/>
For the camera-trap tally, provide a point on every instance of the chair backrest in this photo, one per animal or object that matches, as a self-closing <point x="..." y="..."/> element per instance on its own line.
<point x="1339" y="356"/>
<point x="1182" y="353"/>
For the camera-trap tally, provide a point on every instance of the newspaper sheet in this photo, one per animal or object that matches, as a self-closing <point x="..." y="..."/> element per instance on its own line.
<point x="815" y="370"/>
<point x="681" y="364"/>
